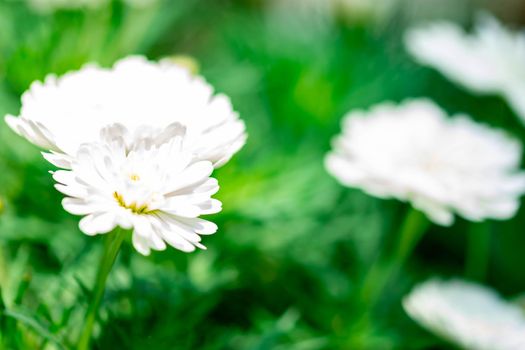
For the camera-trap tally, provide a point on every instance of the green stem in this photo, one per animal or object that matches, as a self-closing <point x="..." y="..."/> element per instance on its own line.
<point x="112" y="244"/>
<point x="382" y="271"/>
<point x="478" y="252"/>
<point x="134" y="29"/>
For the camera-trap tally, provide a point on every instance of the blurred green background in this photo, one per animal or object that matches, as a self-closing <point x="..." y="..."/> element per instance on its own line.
<point x="281" y="272"/>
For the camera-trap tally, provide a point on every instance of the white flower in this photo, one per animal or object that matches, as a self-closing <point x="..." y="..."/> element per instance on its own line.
<point x="158" y="190"/>
<point x="413" y="152"/>
<point x="63" y="113"/>
<point x="488" y="61"/>
<point x="472" y="316"/>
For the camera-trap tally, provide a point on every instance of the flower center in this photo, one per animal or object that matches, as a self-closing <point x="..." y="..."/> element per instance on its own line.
<point x="134" y="177"/>
<point x="134" y="207"/>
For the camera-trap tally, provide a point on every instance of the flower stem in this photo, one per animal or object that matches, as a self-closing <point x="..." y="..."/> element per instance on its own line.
<point x="478" y="251"/>
<point x="112" y="244"/>
<point x="382" y="271"/>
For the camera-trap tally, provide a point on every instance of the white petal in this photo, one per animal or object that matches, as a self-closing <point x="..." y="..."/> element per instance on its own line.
<point x="77" y="206"/>
<point x="194" y="174"/>
<point x="59" y="160"/>
<point x="72" y="190"/>
<point x="202" y="227"/>
<point x="141" y="244"/>
<point x="97" y="223"/>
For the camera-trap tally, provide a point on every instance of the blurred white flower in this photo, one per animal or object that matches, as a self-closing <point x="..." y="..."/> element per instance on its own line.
<point x="442" y="166"/>
<point x="54" y="5"/>
<point x="469" y="315"/>
<point x="158" y="190"/>
<point x="488" y="61"/>
<point x="62" y="113"/>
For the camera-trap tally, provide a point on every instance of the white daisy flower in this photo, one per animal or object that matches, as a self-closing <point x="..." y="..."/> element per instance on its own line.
<point x="63" y="113"/>
<point x="469" y="315"/>
<point x="156" y="189"/>
<point x="442" y="166"/>
<point x="488" y="61"/>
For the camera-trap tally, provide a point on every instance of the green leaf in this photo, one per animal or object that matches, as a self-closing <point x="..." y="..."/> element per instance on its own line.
<point x="34" y="324"/>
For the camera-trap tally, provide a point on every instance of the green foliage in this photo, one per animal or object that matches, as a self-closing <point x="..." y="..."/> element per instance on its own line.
<point x="282" y="271"/>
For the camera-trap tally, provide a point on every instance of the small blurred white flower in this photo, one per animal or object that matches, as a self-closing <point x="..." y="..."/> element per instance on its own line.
<point x="488" y="61"/>
<point x="158" y="190"/>
<point x="54" y="5"/>
<point x="469" y="315"/>
<point x="413" y="152"/>
<point x="62" y="113"/>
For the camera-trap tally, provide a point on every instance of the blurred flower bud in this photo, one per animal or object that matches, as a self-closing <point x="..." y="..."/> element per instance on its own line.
<point x="185" y="61"/>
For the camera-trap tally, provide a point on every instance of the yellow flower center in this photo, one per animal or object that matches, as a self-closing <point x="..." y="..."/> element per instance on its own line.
<point x="134" y="207"/>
